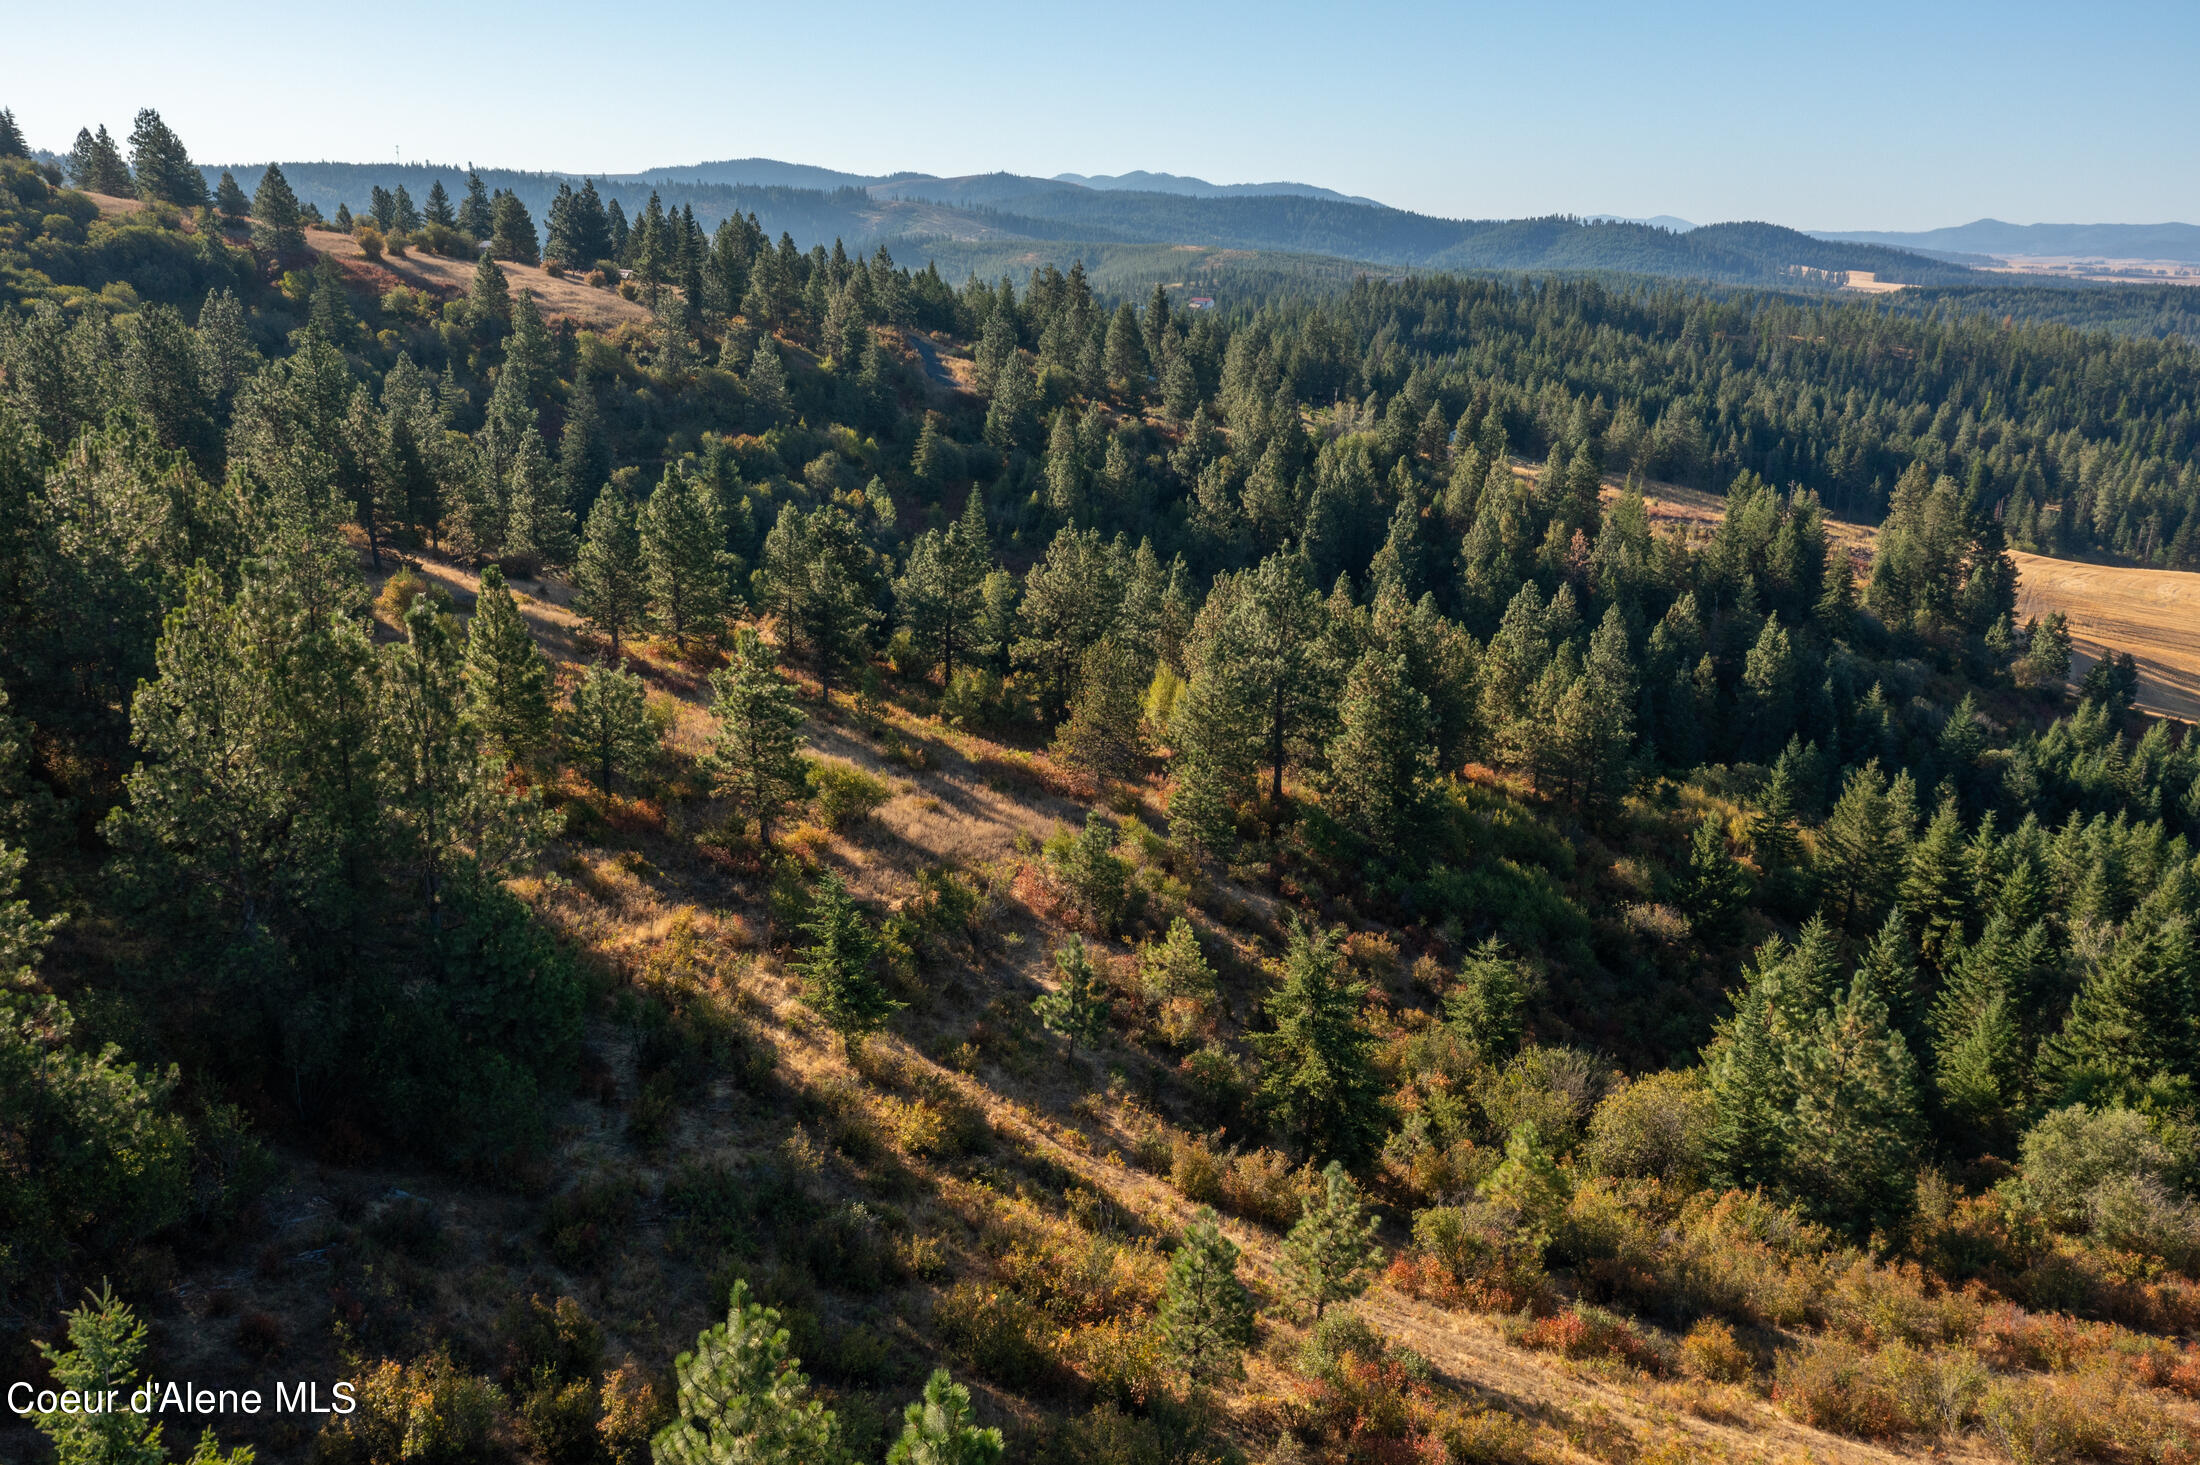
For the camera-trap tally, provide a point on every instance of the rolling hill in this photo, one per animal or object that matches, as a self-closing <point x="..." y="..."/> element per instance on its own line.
<point x="2179" y="242"/>
<point x="921" y="216"/>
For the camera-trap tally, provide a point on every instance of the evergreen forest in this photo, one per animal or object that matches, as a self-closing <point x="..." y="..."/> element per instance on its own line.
<point x="839" y="862"/>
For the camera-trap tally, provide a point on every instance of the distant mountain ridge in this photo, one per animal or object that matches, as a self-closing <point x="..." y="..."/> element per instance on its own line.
<point x="2179" y="242"/>
<point x="1140" y="181"/>
<point x="1011" y="216"/>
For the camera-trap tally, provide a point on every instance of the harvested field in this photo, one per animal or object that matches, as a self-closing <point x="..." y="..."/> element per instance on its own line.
<point x="2153" y="614"/>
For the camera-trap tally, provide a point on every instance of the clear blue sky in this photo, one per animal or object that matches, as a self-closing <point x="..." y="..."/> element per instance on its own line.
<point x="1853" y="115"/>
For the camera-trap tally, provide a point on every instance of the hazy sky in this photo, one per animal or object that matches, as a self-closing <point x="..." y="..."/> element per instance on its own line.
<point x="1858" y="115"/>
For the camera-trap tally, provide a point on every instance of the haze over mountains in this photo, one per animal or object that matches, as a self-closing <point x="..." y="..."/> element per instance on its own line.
<point x="994" y="222"/>
<point x="2179" y="242"/>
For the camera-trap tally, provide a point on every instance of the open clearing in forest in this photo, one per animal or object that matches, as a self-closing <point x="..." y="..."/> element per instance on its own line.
<point x="567" y="298"/>
<point x="2153" y="614"/>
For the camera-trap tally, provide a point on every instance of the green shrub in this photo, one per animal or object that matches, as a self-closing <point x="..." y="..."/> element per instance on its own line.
<point x="2071" y="1151"/>
<point x="998" y="1334"/>
<point x="1656" y="1128"/>
<point x="844" y="793"/>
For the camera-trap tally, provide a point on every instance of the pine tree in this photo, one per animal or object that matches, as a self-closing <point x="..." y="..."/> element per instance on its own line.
<point x="1484" y="1004"/>
<point x="1749" y="1068"/>
<point x="1382" y="764"/>
<point x="684" y="559"/>
<point x="813" y="578"/>
<point x="1206" y="1313"/>
<point x="743" y="1398"/>
<point x="1124" y="355"/>
<point x="755" y="754"/>
<point x="1714" y="890"/>
<point x="538" y="526"/>
<point x="608" y="727"/>
<point x="96" y="164"/>
<point x="937" y="1429"/>
<point x="1318" y="1077"/>
<point x="609" y="583"/>
<point x="162" y="165"/>
<point x="767" y="380"/>
<point x="941" y="591"/>
<point x="507" y="676"/>
<point x="1936" y="891"/>
<point x="1077" y="1009"/>
<point x="1857" y="1133"/>
<point x="276" y="226"/>
<point x="1981" y="1060"/>
<point x="475" y="217"/>
<point x="489" y="297"/>
<point x="2133" y="1018"/>
<point x="1331" y="1255"/>
<point x="438" y="208"/>
<point x="101" y="1362"/>
<point x="512" y="231"/>
<point x="1861" y="849"/>
<point x="229" y="199"/>
<point x="836" y="965"/>
<point x="1772" y="836"/>
<point x="1105" y="734"/>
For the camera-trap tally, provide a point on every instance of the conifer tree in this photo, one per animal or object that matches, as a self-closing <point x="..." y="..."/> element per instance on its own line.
<point x="538" y="526"/>
<point x="96" y="164"/>
<point x="937" y="1429"/>
<point x="512" y="232"/>
<point x="767" y="379"/>
<point x="105" y="1342"/>
<point x="1105" y="734"/>
<point x="1331" y="1255"/>
<point x="1857" y="1123"/>
<point x="1077" y="1009"/>
<point x="1936" y="891"/>
<point x="1772" y="836"/>
<point x="1750" y="1065"/>
<point x="812" y="579"/>
<point x="608" y="728"/>
<point x="229" y="199"/>
<point x="1484" y="1004"/>
<point x="1861" y="849"/>
<point x="507" y="677"/>
<point x="438" y="209"/>
<point x="276" y="227"/>
<point x="1382" y="763"/>
<point x="1318" y="1076"/>
<point x="755" y="753"/>
<point x="941" y="591"/>
<point x="1713" y="890"/>
<point x="836" y="965"/>
<point x="489" y="297"/>
<point x="744" y="1398"/>
<point x="609" y="582"/>
<point x="475" y="217"/>
<point x="163" y="167"/>
<point x="1206" y="1313"/>
<point x="684" y="559"/>
<point x="2133" y="1018"/>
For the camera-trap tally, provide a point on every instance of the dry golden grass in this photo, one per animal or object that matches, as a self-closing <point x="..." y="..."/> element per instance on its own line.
<point x="569" y="298"/>
<point x="2153" y="614"/>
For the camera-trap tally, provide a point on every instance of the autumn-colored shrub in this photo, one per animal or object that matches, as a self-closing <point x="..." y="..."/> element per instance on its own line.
<point x="1710" y="1352"/>
<point x="1582" y="1331"/>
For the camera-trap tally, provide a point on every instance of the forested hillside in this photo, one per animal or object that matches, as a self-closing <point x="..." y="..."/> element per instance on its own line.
<point x="862" y="867"/>
<point x="913" y="214"/>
